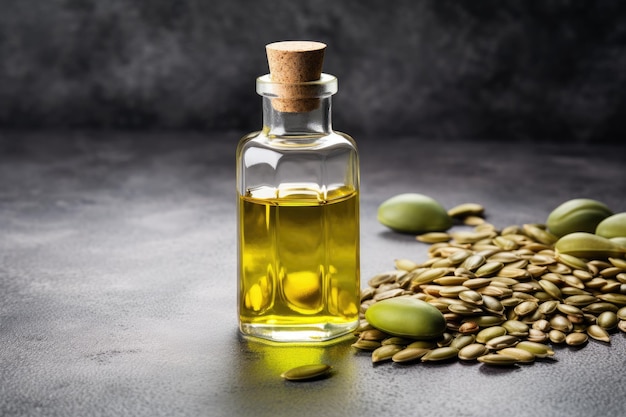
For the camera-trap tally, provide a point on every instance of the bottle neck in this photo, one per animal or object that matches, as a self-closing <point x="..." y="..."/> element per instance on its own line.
<point x="307" y="124"/>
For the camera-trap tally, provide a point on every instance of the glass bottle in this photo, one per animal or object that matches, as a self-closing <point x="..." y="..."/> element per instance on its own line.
<point x="298" y="217"/>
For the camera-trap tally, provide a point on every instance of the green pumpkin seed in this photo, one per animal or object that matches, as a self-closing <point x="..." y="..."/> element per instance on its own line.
<point x="422" y="344"/>
<point x="406" y="317"/>
<point x="307" y="372"/>
<point x="572" y="261"/>
<point x="502" y="342"/>
<point x="576" y="339"/>
<point x="520" y="355"/>
<point x="488" y="321"/>
<point x="471" y="296"/>
<point x="367" y="345"/>
<point x="434" y="237"/>
<point x="580" y="300"/>
<point x="598" y="333"/>
<point x="615" y="298"/>
<point x="612" y="226"/>
<point x="548" y="307"/>
<point x="550" y="288"/>
<point x="497" y="359"/>
<point x="556" y="336"/>
<point x="607" y="320"/>
<point x="538" y="349"/>
<point x="385" y="353"/>
<point x="525" y="308"/>
<point x="516" y="328"/>
<point x="466" y="209"/>
<point x="440" y="354"/>
<point x="473" y="262"/>
<point x="570" y="310"/>
<point x="409" y="354"/>
<point x="488" y="269"/>
<point x="396" y="341"/>
<point x="489" y="333"/>
<point x="472" y="352"/>
<point x="461" y="341"/>
<point x="599" y="307"/>
<point x="562" y="323"/>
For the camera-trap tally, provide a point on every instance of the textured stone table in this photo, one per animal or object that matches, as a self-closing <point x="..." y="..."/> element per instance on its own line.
<point x="118" y="287"/>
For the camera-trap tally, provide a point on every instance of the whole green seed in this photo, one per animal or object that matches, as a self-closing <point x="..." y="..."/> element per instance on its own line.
<point x="413" y="213"/>
<point x="587" y="245"/>
<point x="577" y="215"/>
<point x="406" y="317"/>
<point x="612" y="226"/>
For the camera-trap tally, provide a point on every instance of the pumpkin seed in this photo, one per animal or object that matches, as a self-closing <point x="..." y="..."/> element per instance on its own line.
<point x="440" y="354"/>
<point x="607" y="320"/>
<point x="502" y="342"/>
<point x="385" y="352"/>
<point x="520" y="355"/>
<point x="307" y="372"/>
<point x="472" y="352"/>
<point x="576" y="339"/>
<point x="489" y="333"/>
<point x="598" y="333"/>
<point x="497" y="359"/>
<point x="409" y="354"/>
<point x="538" y="349"/>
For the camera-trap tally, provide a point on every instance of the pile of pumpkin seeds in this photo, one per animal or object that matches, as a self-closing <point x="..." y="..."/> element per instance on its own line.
<point x="507" y="296"/>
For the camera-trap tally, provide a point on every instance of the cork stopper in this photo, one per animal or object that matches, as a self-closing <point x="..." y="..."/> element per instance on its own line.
<point x="291" y="64"/>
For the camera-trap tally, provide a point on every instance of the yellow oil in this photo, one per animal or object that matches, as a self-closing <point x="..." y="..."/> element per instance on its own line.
<point x="298" y="264"/>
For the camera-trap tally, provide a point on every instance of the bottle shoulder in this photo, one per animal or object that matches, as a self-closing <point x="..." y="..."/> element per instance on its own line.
<point x="300" y="143"/>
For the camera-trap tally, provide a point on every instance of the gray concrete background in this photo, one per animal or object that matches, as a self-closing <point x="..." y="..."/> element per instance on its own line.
<point x="442" y="69"/>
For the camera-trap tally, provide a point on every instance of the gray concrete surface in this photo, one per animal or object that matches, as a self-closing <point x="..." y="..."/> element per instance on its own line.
<point x="118" y="286"/>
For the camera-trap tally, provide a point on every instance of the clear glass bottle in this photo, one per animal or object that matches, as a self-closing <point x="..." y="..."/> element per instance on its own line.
<point x="298" y="220"/>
